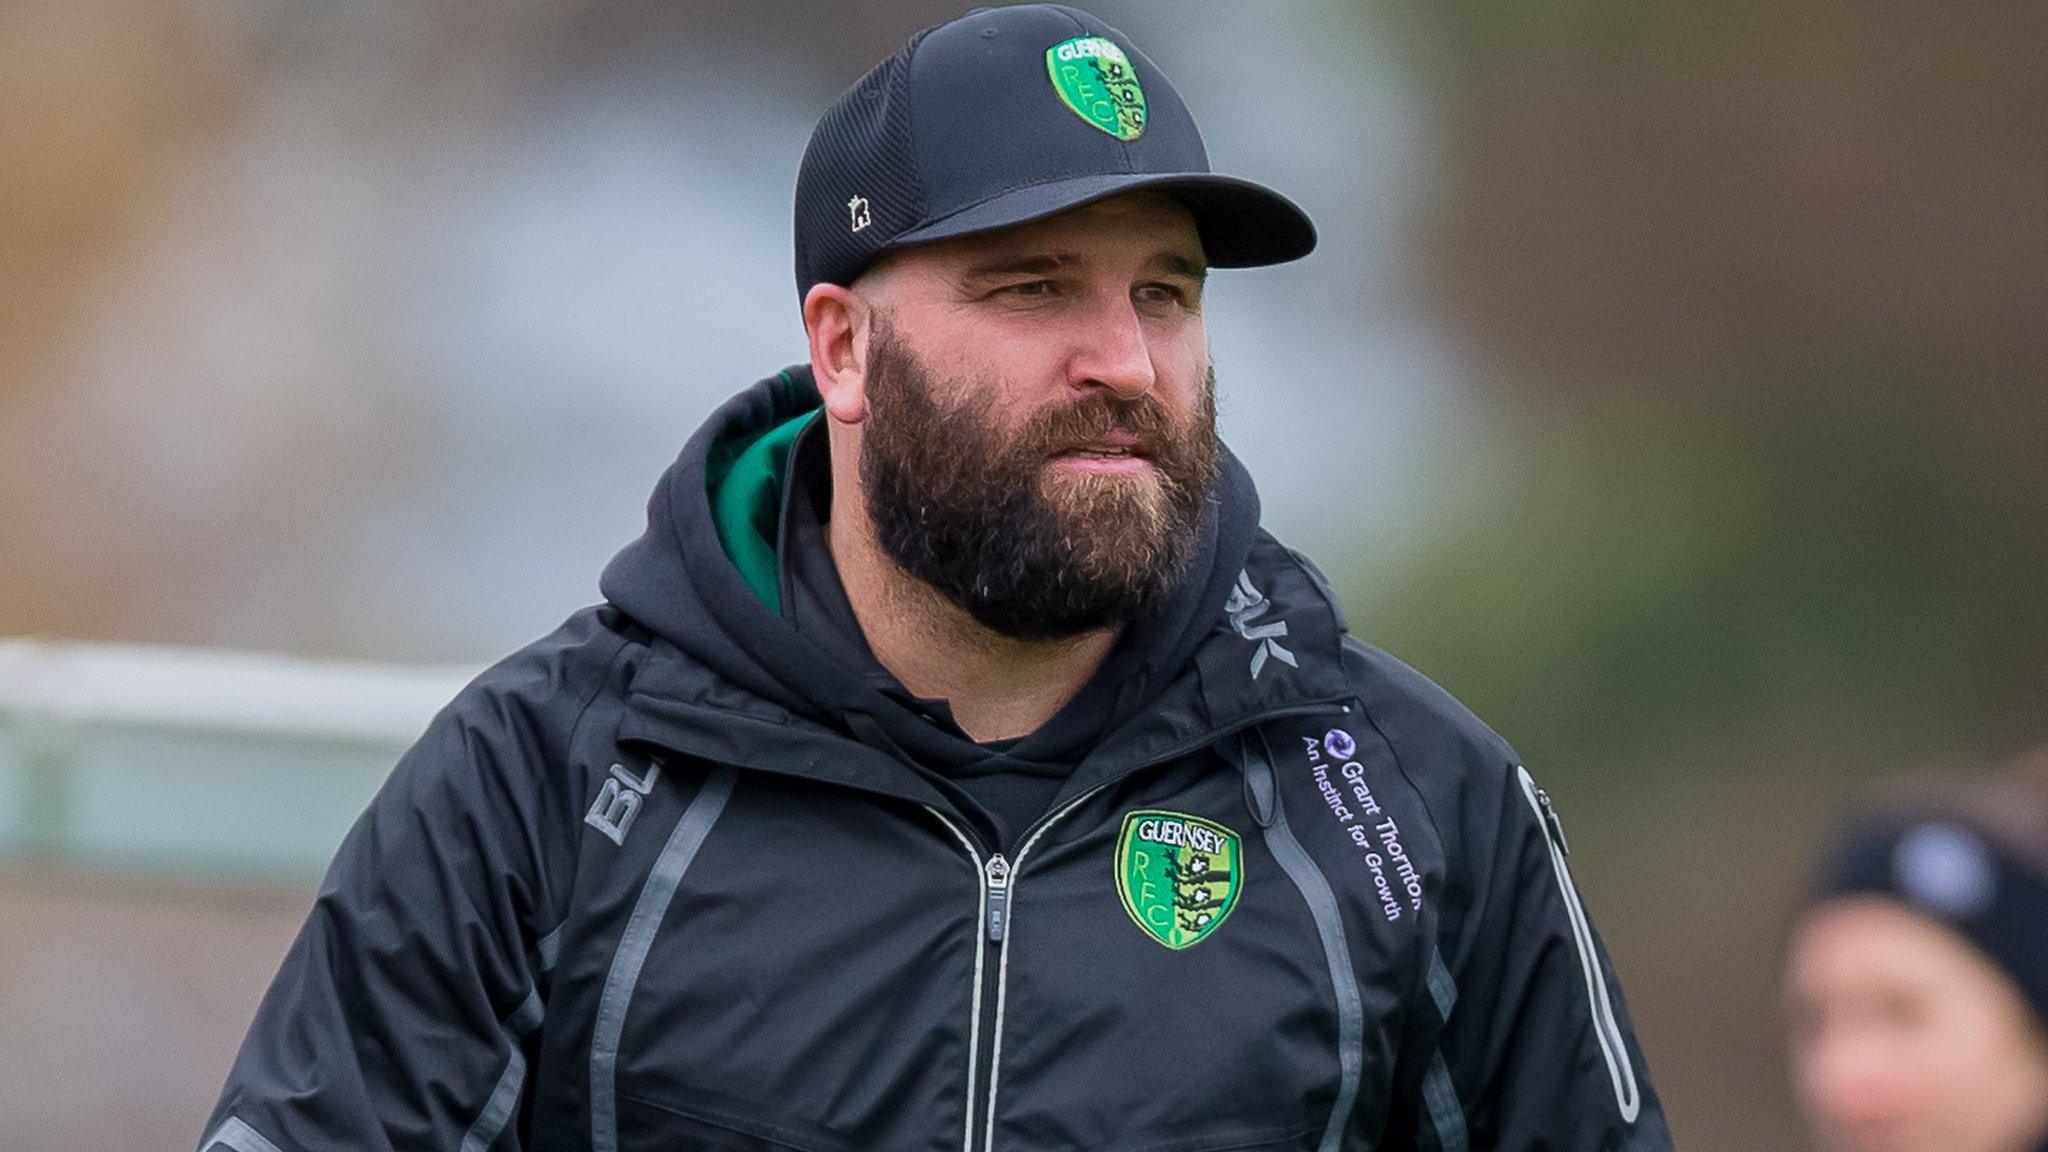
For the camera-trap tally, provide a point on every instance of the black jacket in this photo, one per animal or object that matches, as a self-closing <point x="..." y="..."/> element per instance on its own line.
<point x="668" y="879"/>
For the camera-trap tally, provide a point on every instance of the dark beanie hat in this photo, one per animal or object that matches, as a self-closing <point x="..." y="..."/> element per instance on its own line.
<point x="1991" y="893"/>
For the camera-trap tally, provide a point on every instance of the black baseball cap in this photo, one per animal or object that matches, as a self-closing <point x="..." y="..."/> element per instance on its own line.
<point x="1008" y="115"/>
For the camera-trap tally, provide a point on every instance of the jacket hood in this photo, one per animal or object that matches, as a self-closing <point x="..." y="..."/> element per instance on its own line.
<point x="723" y="657"/>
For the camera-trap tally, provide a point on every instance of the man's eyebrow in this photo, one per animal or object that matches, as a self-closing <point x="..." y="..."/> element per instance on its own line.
<point x="1035" y="264"/>
<point x="1175" y="262"/>
<point x="1045" y="263"/>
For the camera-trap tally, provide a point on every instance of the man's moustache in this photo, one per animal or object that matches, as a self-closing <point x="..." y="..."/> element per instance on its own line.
<point x="1085" y="429"/>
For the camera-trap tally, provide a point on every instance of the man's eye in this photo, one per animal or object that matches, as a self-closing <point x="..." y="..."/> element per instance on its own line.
<point x="1161" y="294"/>
<point x="1029" y="288"/>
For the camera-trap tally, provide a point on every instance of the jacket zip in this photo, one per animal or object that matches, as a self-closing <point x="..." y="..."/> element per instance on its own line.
<point x="998" y="932"/>
<point x="983" y="919"/>
<point x="996" y="880"/>
<point x="998" y="883"/>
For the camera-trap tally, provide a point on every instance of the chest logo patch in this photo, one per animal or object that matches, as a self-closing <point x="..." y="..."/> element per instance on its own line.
<point x="1178" y="875"/>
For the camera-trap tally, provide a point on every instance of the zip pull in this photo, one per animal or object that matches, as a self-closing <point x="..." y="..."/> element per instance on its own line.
<point x="997" y="873"/>
<point x="1552" y="823"/>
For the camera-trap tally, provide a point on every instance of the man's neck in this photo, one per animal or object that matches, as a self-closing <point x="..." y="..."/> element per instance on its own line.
<point x="998" y="688"/>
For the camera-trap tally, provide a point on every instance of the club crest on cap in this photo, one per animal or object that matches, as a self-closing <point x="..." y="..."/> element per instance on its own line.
<point x="1095" y="78"/>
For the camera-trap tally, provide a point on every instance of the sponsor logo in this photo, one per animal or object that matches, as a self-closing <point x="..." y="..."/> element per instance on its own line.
<point x="1396" y="881"/>
<point x="1096" y="81"/>
<point x="857" y="210"/>
<point x="1247" y="604"/>
<point x="1178" y="875"/>
<point x="1339" y="744"/>
<point x="618" y="802"/>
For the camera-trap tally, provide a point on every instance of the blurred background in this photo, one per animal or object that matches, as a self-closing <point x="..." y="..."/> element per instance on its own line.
<point x="1668" y="384"/>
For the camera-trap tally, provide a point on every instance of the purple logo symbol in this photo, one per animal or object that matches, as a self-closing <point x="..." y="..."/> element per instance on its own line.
<point x="1339" y="744"/>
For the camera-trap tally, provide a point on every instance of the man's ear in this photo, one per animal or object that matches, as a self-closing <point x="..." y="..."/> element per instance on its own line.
<point x="838" y="321"/>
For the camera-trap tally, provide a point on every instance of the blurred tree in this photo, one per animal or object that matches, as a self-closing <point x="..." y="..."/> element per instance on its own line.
<point x="1757" y="292"/>
<point x="1706" y="572"/>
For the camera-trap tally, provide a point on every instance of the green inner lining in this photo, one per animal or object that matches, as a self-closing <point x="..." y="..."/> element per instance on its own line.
<point x="746" y="502"/>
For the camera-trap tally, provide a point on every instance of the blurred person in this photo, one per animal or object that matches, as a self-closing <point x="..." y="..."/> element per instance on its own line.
<point x="1917" y="981"/>
<point x="954" y="762"/>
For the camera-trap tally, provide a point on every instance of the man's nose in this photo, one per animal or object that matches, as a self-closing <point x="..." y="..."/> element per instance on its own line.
<point x="1113" y="353"/>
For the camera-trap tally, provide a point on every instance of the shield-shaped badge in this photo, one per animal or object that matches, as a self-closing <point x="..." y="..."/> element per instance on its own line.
<point x="1179" y="875"/>
<point x="1095" y="78"/>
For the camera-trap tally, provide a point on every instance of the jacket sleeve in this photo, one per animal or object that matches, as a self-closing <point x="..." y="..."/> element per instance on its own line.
<point x="1537" y="1042"/>
<point x="402" y="1016"/>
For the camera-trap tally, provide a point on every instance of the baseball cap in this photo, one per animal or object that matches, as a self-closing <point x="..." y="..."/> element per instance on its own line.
<point x="1009" y="115"/>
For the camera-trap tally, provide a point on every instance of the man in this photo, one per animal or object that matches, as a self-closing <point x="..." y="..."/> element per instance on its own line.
<point x="954" y="763"/>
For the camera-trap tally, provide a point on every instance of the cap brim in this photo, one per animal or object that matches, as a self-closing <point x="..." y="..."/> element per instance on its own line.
<point x="1242" y="224"/>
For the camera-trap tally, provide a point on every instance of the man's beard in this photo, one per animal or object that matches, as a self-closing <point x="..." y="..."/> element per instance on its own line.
<point x="1031" y="549"/>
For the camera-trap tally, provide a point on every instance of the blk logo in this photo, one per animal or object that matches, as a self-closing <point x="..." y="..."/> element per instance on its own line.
<point x="618" y="802"/>
<point x="857" y="211"/>
<point x="1245" y="605"/>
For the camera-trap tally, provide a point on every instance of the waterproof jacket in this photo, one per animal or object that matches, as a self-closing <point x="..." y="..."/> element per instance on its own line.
<point x="664" y="880"/>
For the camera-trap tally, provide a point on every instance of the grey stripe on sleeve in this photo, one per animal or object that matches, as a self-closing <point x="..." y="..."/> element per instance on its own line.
<point x="527" y="1017"/>
<point x="550" y="948"/>
<point x="239" y="1136"/>
<point x="1439" y="1095"/>
<point x="1628" y="1096"/>
<point x="1446" y="1115"/>
<point x="497" y="1111"/>
<point x="648" y="911"/>
<point x="1442" y="988"/>
<point x="1322" y="905"/>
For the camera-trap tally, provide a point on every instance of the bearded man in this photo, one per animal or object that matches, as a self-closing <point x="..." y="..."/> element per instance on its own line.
<point x="954" y="763"/>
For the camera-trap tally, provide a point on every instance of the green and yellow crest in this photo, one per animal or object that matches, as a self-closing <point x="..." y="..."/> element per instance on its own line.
<point x="1096" y="80"/>
<point x="1179" y="875"/>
